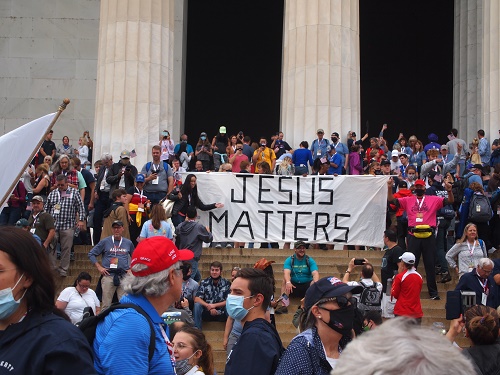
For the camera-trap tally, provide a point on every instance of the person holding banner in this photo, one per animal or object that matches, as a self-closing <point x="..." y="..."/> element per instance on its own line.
<point x="421" y="210"/>
<point x="188" y="196"/>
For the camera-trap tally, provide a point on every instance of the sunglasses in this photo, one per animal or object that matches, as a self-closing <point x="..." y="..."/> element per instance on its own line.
<point x="342" y="301"/>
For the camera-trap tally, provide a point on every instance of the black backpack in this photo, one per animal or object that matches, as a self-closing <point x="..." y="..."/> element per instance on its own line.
<point x="370" y="298"/>
<point x="479" y="208"/>
<point x="458" y="190"/>
<point x="89" y="325"/>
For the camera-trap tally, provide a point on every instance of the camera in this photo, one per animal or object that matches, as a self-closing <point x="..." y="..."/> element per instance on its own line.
<point x="359" y="261"/>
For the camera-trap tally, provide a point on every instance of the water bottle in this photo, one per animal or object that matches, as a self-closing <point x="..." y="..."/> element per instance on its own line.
<point x="389" y="287"/>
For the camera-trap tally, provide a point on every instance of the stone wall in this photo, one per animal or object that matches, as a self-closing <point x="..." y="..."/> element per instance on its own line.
<point x="48" y="51"/>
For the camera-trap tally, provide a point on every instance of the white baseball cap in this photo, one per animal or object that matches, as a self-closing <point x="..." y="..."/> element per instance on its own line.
<point x="408" y="257"/>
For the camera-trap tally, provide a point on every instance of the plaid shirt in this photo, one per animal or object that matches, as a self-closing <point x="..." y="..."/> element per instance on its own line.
<point x="211" y="293"/>
<point x="70" y="206"/>
<point x="71" y="175"/>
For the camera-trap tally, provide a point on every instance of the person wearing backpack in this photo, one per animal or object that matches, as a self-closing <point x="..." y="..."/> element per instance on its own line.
<point x="371" y="297"/>
<point x="123" y="338"/>
<point x="476" y="209"/>
<point x="299" y="271"/>
<point x="159" y="178"/>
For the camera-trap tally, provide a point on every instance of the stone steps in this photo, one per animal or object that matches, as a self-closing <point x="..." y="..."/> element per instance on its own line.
<point x="331" y="263"/>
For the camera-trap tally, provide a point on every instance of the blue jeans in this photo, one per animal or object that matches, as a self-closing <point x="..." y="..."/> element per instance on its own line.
<point x="442" y="245"/>
<point x="195" y="274"/>
<point x="10" y="215"/>
<point x="156" y="197"/>
<point x="200" y="314"/>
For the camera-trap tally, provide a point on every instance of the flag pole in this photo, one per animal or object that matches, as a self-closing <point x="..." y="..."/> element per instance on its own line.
<point x="61" y="108"/>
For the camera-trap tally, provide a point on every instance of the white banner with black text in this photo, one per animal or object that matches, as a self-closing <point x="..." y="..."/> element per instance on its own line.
<point x="316" y="209"/>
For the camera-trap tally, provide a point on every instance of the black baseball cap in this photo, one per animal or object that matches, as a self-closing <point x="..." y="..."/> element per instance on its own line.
<point x="328" y="287"/>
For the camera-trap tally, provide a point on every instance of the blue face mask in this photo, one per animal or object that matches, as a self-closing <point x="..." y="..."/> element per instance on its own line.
<point x="8" y="305"/>
<point x="234" y="307"/>
<point x="87" y="167"/>
<point x="203" y="138"/>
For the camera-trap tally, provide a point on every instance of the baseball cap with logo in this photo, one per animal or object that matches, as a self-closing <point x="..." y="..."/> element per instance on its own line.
<point x="408" y="257"/>
<point x="420" y="182"/>
<point x="158" y="254"/>
<point x="328" y="287"/>
<point x="37" y="198"/>
<point x="139" y="178"/>
<point x="21" y="223"/>
<point x="125" y="154"/>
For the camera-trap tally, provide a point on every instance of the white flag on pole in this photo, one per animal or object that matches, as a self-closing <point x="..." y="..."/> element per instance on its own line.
<point x="17" y="148"/>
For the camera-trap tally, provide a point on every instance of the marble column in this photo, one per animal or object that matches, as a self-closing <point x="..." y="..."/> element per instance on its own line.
<point x="139" y="75"/>
<point x="476" y="78"/>
<point x="490" y="67"/>
<point x="320" y="77"/>
<point x="467" y="82"/>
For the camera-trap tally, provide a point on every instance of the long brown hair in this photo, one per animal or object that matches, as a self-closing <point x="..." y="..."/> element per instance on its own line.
<point x="199" y="341"/>
<point x="29" y="257"/>
<point x="481" y="323"/>
<point x="158" y="215"/>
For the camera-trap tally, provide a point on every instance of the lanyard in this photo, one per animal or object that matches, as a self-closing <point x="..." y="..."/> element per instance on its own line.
<point x="483" y="285"/>
<point x="35" y="219"/>
<point x="471" y="249"/>
<point x="420" y="203"/>
<point x="170" y="347"/>
<point x="115" y="248"/>
<point x="140" y="193"/>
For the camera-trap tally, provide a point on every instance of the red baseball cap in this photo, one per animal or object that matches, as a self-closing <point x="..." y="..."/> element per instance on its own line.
<point x="158" y="253"/>
<point x="420" y="182"/>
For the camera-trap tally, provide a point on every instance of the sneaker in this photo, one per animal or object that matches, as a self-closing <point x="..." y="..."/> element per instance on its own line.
<point x="281" y="310"/>
<point x="229" y="246"/>
<point x="218" y="246"/>
<point x="492" y="250"/>
<point x="435" y="298"/>
<point x="446" y="277"/>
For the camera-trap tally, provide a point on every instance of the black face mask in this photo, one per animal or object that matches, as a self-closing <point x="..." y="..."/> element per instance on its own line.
<point x="377" y="172"/>
<point x="341" y="320"/>
<point x="334" y="139"/>
<point x="419" y="192"/>
<point x="185" y="275"/>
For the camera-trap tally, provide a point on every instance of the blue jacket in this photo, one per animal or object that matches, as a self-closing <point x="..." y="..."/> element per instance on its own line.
<point x="122" y="342"/>
<point x="44" y="344"/>
<point x="304" y="356"/>
<point x="470" y="281"/>
<point x="257" y="351"/>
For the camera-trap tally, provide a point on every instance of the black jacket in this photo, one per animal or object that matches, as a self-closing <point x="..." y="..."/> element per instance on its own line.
<point x="114" y="180"/>
<point x="470" y="281"/>
<point x="181" y="205"/>
<point x="44" y="344"/>
<point x="257" y="351"/>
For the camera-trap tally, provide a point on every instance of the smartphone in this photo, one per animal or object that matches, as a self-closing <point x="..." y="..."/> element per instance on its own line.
<point x="359" y="261"/>
<point x="285" y="300"/>
<point x="453" y="304"/>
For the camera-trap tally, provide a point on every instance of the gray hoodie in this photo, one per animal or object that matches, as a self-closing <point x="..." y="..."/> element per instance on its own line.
<point x="191" y="235"/>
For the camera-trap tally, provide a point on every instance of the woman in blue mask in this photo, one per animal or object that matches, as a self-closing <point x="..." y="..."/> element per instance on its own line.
<point x="193" y="354"/>
<point x="326" y="326"/>
<point x="35" y="336"/>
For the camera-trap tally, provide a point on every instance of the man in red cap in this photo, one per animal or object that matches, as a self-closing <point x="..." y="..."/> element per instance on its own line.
<point x="421" y="210"/>
<point x="122" y="339"/>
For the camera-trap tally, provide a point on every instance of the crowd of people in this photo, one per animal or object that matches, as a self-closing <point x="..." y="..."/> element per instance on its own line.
<point x="436" y="194"/>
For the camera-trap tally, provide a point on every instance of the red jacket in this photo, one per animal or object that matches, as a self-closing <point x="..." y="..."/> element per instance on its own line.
<point x="402" y="193"/>
<point x="406" y="288"/>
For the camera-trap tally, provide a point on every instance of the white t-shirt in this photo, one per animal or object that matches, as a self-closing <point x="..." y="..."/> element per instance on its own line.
<point x="76" y="303"/>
